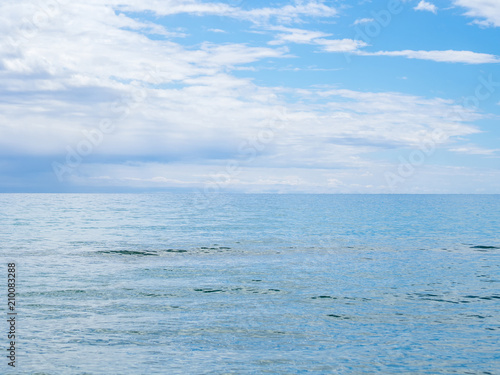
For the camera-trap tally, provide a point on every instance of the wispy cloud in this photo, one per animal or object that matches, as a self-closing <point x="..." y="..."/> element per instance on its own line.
<point x="301" y="36"/>
<point x="340" y="45"/>
<point x="426" y="6"/>
<point x="284" y="14"/>
<point x="355" y="46"/>
<point x="450" y="56"/>
<point x="294" y="35"/>
<point x="360" y="21"/>
<point x="217" y="31"/>
<point x="485" y="12"/>
<point x="474" y="150"/>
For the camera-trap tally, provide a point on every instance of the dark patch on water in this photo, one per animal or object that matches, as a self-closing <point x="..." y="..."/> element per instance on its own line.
<point x="481" y="247"/>
<point x="338" y="316"/>
<point x="432" y="297"/>
<point x="150" y="295"/>
<point x="58" y="293"/>
<point x="238" y="290"/>
<point x="345" y="299"/>
<point x="205" y="290"/>
<point x="488" y="298"/>
<point x="321" y="297"/>
<point x="476" y="316"/>
<point x="426" y="295"/>
<point x="464" y="299"/>
<point x="208" y="250"/>
<point x="141" y="252"/>
<point x="129" y="252"/>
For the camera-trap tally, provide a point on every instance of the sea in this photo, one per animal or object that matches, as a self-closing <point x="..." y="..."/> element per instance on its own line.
<point x="172" y="283"/>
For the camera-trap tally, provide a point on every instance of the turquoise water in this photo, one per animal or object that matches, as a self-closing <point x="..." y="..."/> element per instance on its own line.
<point x="253" y="284"/>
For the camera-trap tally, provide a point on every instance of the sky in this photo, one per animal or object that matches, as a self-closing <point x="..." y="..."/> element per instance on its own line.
<point x="298" y="96"/>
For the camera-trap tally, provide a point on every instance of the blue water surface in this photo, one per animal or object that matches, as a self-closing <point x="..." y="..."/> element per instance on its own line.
<point x="253" y="284"/>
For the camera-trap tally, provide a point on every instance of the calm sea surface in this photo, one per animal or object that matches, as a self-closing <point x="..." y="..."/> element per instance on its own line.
<point x="253" y="284"/>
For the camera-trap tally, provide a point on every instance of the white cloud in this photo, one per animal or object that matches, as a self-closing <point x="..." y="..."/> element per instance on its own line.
<point x="340" y="45"/>
<point x="426" y="6"/>
<point x="87" y="64"/>
<point x="360" y="21"/>
<point x="429" y="179"/>
<point x="184" y="106"/>
<point x="92" y="45"/>
<point x="485" y="12"/>
<point x="450" y="56"/>
<point x="294" y="35"/>
<point x="301" y="36"/>
<point x="290" y="13"/>
<point x="474" y="150"/>
<point x="287" y="13"/>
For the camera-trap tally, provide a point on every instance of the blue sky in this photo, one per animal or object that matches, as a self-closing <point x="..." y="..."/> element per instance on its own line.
<point x="250" y="96"/>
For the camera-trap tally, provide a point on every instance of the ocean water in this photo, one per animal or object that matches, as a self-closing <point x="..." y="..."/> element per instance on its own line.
<point x="253" y="284"/>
